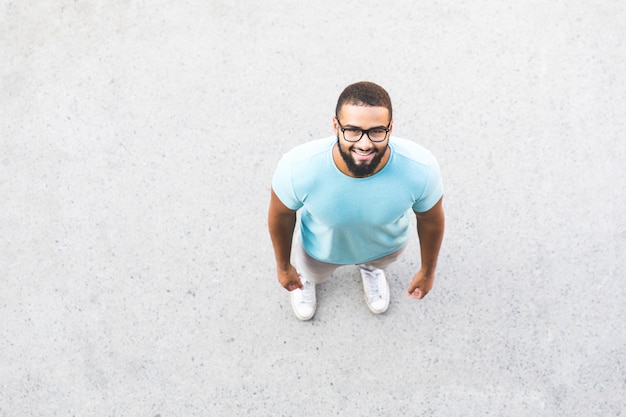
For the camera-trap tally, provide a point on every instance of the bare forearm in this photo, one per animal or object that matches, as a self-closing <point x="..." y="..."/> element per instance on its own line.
<point x="430" y="232"/>
<point x="430" y="228"/>
<point x="281" y="227"/>
<point x="281" y="221"/>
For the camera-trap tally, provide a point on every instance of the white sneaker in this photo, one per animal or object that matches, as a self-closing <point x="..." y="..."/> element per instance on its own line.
<point x="303" y="300"/>
<point x="376" y="289"/>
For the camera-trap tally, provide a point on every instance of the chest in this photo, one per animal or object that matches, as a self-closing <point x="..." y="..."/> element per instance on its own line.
<point x="379" y="200"/>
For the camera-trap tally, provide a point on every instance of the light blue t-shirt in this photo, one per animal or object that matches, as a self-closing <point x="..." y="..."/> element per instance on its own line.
<point x="346" y="220"/>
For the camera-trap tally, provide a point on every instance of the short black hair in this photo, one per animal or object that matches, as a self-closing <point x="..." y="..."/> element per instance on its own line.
<point x="364" y="93"/>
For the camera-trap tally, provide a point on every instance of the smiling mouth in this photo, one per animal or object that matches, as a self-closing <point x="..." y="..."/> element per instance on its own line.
<point x="363" y="157"/>
<point x="363" y="153"/>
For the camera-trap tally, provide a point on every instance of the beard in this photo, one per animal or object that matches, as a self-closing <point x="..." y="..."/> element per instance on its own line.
<point x="361" y="169"/>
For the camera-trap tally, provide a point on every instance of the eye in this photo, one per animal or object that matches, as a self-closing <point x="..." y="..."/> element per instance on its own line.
<point x="353" y="130"/>
<point x="378" y="131"/>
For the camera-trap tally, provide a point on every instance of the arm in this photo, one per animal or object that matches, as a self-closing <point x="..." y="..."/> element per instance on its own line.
<point x="430" y="228"/>
<point x="281" y="222"/>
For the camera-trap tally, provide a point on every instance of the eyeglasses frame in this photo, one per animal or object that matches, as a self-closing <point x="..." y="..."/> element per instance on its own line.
<point x="364" y="132"/>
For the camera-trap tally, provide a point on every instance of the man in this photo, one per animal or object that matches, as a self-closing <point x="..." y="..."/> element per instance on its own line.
<point x="355" y="191"/>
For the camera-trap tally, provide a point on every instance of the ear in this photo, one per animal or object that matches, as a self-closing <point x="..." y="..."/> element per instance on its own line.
<point x="390" y="127"/>
<point x="335" y="126"/>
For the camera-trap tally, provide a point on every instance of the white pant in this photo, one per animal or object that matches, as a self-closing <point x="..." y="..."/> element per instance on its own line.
<point x="317" y="272"/>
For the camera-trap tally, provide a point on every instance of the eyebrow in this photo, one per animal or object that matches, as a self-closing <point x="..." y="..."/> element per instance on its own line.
<point x="360" y="128"/>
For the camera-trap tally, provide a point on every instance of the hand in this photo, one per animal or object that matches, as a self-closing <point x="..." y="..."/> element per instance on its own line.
<point x="421" y="284"/>
<point x="289" y="278"/>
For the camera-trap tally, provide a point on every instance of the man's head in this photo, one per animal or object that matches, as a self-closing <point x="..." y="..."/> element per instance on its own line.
<point x="362" y="124"/>
<point x="364" y="93"/>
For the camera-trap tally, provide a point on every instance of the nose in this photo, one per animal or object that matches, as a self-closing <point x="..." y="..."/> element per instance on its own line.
<point x="365" y="144"/>
<point x="365" y="135"/>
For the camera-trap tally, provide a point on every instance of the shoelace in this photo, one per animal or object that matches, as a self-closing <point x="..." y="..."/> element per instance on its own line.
<point x="307" y="292"/>
<point x="373" y="278"/>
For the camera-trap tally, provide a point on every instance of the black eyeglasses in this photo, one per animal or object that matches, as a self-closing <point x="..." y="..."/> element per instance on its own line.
<point x="354" y="134"/>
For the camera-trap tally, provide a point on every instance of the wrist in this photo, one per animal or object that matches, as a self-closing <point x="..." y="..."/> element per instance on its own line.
<point x="283" y="266"/>
<point x="428" y="270"/>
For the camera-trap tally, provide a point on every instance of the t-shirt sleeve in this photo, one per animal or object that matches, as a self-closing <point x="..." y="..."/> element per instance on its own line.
<point x="282" y="183"/>
<point x="433" y="189"/>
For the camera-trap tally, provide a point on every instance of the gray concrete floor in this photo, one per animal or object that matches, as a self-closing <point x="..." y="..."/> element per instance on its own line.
<point x="137" y="145"/>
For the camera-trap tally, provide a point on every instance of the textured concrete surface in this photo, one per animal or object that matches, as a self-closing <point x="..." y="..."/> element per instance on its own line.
<point x="137" y="145"/>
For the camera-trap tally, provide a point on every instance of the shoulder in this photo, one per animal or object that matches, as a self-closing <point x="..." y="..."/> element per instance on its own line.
<point x="410" y="151"/>
<point x="298" y="164"/>
<point x="310" y="150"/>
<point x="420" y="169"/>
<point x="300" y="167"/>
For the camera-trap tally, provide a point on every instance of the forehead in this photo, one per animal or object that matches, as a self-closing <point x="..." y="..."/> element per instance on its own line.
<point x="363" y="116"/>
